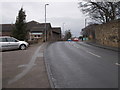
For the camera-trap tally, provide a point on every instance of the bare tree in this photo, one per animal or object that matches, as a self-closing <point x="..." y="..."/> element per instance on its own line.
<point x="101" y="12"/>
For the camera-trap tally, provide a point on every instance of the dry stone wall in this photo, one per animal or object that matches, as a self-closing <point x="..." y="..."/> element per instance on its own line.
<point x="108" y="34"/>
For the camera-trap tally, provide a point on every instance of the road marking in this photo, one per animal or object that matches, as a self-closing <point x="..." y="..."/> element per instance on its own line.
<point x="28" y="67"/>
<point x="73" y="44"/>
<point x="87" y="51"/>
<point x="24" y="65"/>
<point x="117" y="64"/>
<point x="93" y="54"/>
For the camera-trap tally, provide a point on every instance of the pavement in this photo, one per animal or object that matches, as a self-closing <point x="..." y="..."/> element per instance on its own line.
<point x="25" y="68"/>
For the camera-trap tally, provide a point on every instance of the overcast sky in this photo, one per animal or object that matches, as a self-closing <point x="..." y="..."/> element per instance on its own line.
<point x="59" y="12"/>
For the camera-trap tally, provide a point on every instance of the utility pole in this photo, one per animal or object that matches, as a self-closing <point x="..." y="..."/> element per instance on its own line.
<point x="45" y="24"/>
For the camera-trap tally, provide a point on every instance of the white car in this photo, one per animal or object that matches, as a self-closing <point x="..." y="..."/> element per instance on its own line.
<point x="9" y="43"/>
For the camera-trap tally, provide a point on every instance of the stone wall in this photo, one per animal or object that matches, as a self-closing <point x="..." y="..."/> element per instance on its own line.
<point x="6" y="34"/>
<point x="108" y="33"/>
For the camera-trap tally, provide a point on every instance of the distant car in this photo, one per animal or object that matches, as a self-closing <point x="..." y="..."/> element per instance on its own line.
<point x="10" y="43"/>
<point x="69" y="40"/>
<point x="75" y="39"/>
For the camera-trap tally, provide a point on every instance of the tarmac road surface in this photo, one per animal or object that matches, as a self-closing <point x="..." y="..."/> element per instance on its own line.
<point x="79" y="65"/>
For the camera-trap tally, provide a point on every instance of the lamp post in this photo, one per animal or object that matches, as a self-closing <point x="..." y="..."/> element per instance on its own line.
<point x="85" y="22"/>
<point x="85" y="25"/>
<point x="45" y="24"/>
<point x="63" y="33"/>
<point x="63" y="28"/>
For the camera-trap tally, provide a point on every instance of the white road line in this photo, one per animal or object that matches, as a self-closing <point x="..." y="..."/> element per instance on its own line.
<point x="93" y="54"/>
<point x="74" y="45"/>
<point x="117" y="64"/>
<point x="87" y="51"/>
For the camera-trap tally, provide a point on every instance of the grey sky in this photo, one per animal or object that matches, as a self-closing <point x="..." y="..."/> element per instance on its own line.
<point x="57" y="13"/>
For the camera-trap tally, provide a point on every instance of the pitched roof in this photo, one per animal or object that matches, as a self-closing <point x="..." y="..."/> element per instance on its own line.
<point x="32" y="25"/>
<point x="37" y="29"/>
<point x="37" y="24"/>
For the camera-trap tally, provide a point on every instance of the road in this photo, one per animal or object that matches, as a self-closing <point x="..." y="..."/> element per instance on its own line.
<point x="79" y="65"/>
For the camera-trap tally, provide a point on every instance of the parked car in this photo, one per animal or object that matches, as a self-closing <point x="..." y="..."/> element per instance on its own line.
<point x="10" y="43"/>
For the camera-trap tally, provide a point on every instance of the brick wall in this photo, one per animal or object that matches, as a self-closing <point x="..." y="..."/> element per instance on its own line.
<point x="108" y="34"/>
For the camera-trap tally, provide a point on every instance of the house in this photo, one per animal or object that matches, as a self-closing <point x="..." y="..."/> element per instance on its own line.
<point x="89" y="31"/>
<point x="105" y="34"/>
<point x="6" y="29"/>
<point x="56" y="33"/>
<point x="36" y="31"/>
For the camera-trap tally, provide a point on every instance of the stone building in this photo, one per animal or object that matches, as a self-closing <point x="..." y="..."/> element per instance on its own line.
<point x="105" y="34"/>
<point x="35" y="33"/>
<point x="6" y="29"/>
<point x="56" y="34"/>
<point x="35" y="30"/>
<point x="89" y="31"/>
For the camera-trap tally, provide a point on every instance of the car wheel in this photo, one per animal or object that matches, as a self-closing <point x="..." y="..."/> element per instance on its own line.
<point x="22" y="47"/>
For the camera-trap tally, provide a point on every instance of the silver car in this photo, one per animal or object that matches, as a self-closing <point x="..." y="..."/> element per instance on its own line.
<point x="9" y="43"/>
